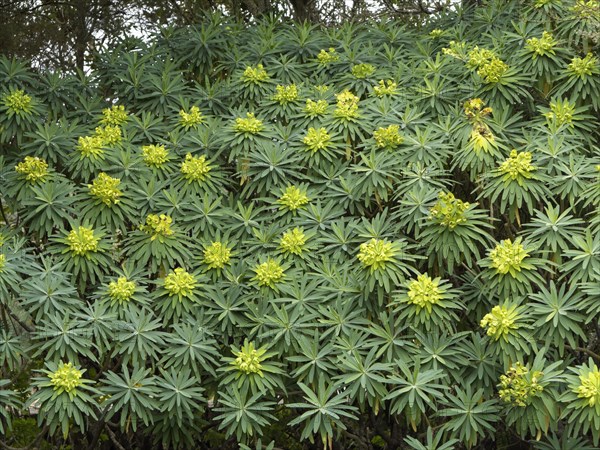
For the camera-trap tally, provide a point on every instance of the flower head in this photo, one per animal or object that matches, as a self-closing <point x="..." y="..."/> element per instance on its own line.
<point x="18" y="102"/>
<point x="66" y="378"/>
<point x="82" y="241"/>
<point x="482" y="138"/>
<point x="217" y="255"/>
<point x="425" y="292"/>
<point x="493" y="71"/>
<point x="121" y="290"/>
<point x="33" y="169"/>
<point x="508" y="257"/>
<point x="327" y="56"/>
<point x="475" y="110"/>
<point x="449" y="211"/>
<point x="541" y="46"/>
<point x="517" y="165"/>
<point x="383" y="88"/>
<point x="155" y="155"/>
<point x="479" y="57"/>
<point x="180" y="283"/>
<point x="388" y="137"/>
<point x="190" y="119"/>
<point x="455" y="49"/>
<point x="2" y="262"/>
<point x="195" y="168"/>
<point x="583" y="67"/>
<point x="436" y="33"/>
<point x="375" y="253"/>
<point x="286" y="94"/>
<point x="249" y="124"/>
<point x="347" y="105"/>
<point x="316" y="140"/>
<point x="561" y="112"/>
<point x="109" y="134"/>
<point x="106" y="189"/>
<point x="248" y="359"/>
<point x="268" y="273"/>
<point x="519" y="386"/>
<point x="589" y="386"/>
<point x="293" y="241"/>
<point x="293" y="198"/>
<point x="500" y="322"/>
<point x="158" y="226"/>
<point x="90" y="147"/>
<point x="315" y="108"/>
<point x="362" y="71"/>
<point x="255" y="75"/>
<point x="115" y="115"/>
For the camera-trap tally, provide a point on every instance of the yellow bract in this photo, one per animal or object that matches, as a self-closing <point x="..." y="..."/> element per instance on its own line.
<point x="449" y="211"/>
<point x="192" y="118"/>
<point x="255" y="75"/>
<point x="2" y="262"/>
<point x="66" y="378"/>
<point x="424" y="292"/>
<point x="519" y="386"/>
<point x="388" y="137"/>
<point x="500" y="322"/>
<point x="583" y="67"/>
<point x="541" y="46"/>
<point x="317" y="108"/>
<point x="33" y="169"/>
<point x="248" y="359"/>
<point x="347" y="105"/>
<point x="316" y="140"/>
<point x="383" y="88"/>
<point x="286" y="94"/>
<point x="155" y="155"/>
<point x="217" y="255"/>
<point x="158" y="226"/>
<point x="517" y="165"/>
<point x="363" y="70"/>
<point x="106" y="189"/>
<point x="293" y="198"/>
<point x="250" y="124"/>
<point x="90" y="146"/>
<point x="195" y="168"/>
<point x="180" y="283"/>
<point x="508" y="256"/>
<point x="121" y="290"/>
<point x="293" y="241"/>
<point x="17" y="101"/>
<point x="327" y="56"/>
<point x="116" y="115"/>
<point x="375" y="253"/>
<point x="269" y="273"/>
<point x="109" y="135"/>
<point x="589" y="387"/>
<point x="82" y="241"/>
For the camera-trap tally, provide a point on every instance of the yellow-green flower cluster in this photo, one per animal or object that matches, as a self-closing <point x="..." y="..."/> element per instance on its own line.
<point x="33" y="169"/>
<point x="383" y="88"/>
<point x="255" y="75"/>
<point x="217" y="255"/>
<point x="424" y="292"/>
<point x="561" y="112"/>
<point x="106" y="189"/>
<point x="115" y="115"/>
<point x="293" y="198"/>
<point x="17" y="101"/>
<point x="449" y="211"/>
<point x="316" y="140"/>
<point x="180" y="283"/>
<point x="315" y="108"/>
<point x="195" y="168"/>
<point x="269" y="273"/>
<point x="482" y="138"/>
<point x="519" y="386"/>
<point x="109" y="135"/>
<point x="90" y="146"/>
<point x="500" y="322"/>
<point x="436" y="33"/>
<point x="327" y="56"/>
<point x="493" y="71"/>
<point x="541" y="3"/>
<point x="475" y="111"/>
<point x="583" y="67"/>
<point x="190" y="119"/>
<point x="321" y="88"/>
<point x="82" y="241"/>
<point x="589" y="386"/>
<point x="375" y="253"/>
<point x="455" y="49"/>
<point x="517" y="165"/>
<point x="508" y="256"/>
<point x="541" y="46"/>
<point x="388" y="137"/>
<point x="157" y="226"/>
<point x="286" y="94"/>
<point x="293" y="241"/>
<point x="587" y="9"/>
<point x="248" y="360"/>
<point x="347" y="105"/>
<point x="66" y="378"/>
<point x="155" y="155"/>
<point x="362" y="71"/>
<point x="249" y="124"/>
<point x="121" y="290"/>
<point x="479" y="57"/>
<point x="2" y="262"/>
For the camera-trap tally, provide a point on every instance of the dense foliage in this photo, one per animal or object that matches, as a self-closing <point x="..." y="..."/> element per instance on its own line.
<point x="289" y="236"/>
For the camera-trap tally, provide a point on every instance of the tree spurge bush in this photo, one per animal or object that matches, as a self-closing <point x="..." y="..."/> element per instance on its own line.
<point x="377" y="236"/>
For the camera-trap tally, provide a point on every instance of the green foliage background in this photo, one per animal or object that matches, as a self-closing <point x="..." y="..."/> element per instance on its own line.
<point x="290" y="236"/>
